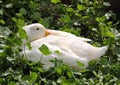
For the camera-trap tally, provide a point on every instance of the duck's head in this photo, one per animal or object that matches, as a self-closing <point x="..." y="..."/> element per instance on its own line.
<point x="35" y="31"/>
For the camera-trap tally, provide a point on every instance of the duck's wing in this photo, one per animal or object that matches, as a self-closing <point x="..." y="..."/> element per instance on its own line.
<point x="83" y="49"/>
<point x="69" y="44"/>
<point x="69" y="35"/>
<point x="68" y="52"/>
<point x="76" y="46"/>
<point x="62" y="45"/>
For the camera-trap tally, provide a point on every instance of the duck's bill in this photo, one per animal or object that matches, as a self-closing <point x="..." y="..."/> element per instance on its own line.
<point x="47" y="33"/>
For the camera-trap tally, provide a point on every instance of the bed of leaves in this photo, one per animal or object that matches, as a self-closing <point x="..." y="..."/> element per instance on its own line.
<point x="87" y="18"/>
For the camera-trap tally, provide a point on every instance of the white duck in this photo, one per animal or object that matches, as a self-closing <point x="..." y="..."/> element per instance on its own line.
<point x="71" y="47"/>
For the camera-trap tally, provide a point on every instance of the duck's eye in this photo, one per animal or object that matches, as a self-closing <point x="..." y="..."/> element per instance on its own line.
<point x="37" y="28"/>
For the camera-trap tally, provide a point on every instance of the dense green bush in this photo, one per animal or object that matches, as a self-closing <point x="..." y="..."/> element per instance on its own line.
<point x="86" y="18"/>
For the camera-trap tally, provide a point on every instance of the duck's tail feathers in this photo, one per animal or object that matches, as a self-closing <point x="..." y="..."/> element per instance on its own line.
<point x="98" y="53"/>
<point x="103" y="50"/>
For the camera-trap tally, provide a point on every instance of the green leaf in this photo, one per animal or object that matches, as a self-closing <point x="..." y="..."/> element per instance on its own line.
<point x="29" y="45"/>
<point x="55" y="1"/>
<point x="44" y="22"/>
<point x="100" y="19"/>
<point x="117" y="50"/>
<point x="66" y="18"/>
<point x="12" y="83"/>
<point x="40" y="69"/>
<point x="19" y="22"/>
<point x="1" y="12"/>
<point x="1" y="80"/>
<point x="23" y="11"/>
<point x="80" y="64"/>
<point x="107" y="4"/>
<point x="70" y="74"/>
<point x="69" y="10"/>
<point x="58" y="70"/>
<point x="36" y="15"/>
<point x="57" y="52"/>
<point x="80" y="7"/>
<point x="10" y="5"/>
<point x="33" y="76"/>
<point x="110" y="34"/>
<point x="2" y="21"/>
<point x="33" y="5"/>
<point x="45" y="50"/>
<point x="22" y="33"/>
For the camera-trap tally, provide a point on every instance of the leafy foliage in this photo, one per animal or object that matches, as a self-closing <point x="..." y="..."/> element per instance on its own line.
<point x="87" y="18"/>
<point x="45" y="50"/>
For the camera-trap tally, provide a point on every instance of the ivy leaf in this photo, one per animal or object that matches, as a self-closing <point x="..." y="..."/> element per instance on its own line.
<point x="33" y="76"/>
<point x="69" y="9"/>
<point x="58" y="70"/>
<point x="110" y="34"/>
<point x="2" y="21"/>
<point x="19" y="22"/>
<point x="36" y="16"/>
<point x="29" y="45"/>
<point x="70" y="74"/>
<point x="22" y="33"/>
<point x="80" y="7"/>
<point x="45" y="50"/>
<point x="80" y="64"/>
<point x="57" y="52"/>
<point x="55" y="1"/>
<point x="12" y="83"/>
<point x="33" y="5"/>
<point x="23" y="11"/>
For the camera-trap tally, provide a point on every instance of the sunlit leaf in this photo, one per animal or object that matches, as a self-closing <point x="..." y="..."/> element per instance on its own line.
<point x="80" y="7"/>
<point x="33" y="76"/>
<point x="70" y="74"/>
<point x="110" y="34"/>
<point x="80" y="64"/>
<point x="69" y="9"/>
<point x="45" y="50"/>
<point x="58" y="70"/>
<point x="2" y="21"/>
<point x="57" y="52"/>
<point x="22" y="33"/>
<point x="29" y="45"/>
<point x="19" y="22"/>
<point x="55" y="1"/>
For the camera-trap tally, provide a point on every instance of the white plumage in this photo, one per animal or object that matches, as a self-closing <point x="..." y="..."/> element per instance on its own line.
<point x="71" y="47"/>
